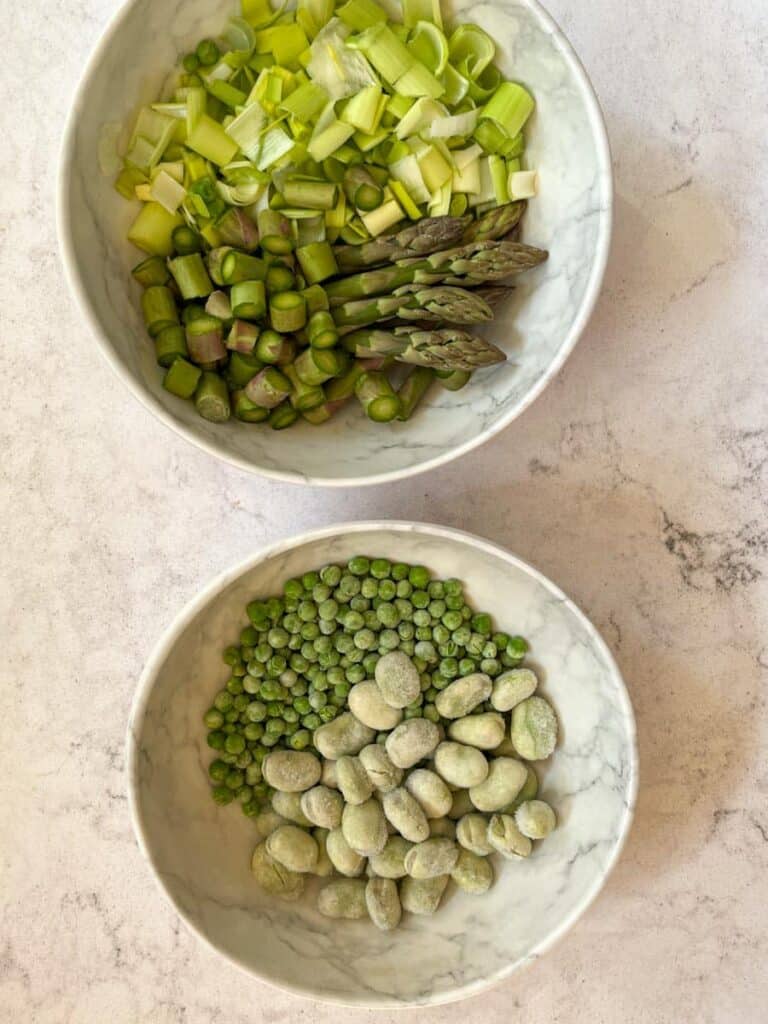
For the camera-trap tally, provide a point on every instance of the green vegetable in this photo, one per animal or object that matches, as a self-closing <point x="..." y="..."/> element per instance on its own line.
<point x="442" y="348"/>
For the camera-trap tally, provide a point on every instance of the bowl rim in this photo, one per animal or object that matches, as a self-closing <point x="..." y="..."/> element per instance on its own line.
<point x="74" y="278"/>
<point x="222" y="580"/>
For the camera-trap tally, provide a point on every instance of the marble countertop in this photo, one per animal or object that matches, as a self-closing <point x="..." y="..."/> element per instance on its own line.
<point x="638" y="482"/>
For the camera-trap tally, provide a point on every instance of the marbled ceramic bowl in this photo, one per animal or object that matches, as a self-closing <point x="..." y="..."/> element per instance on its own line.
<point x="200" y="853"/>
<point x="537" y="328"/>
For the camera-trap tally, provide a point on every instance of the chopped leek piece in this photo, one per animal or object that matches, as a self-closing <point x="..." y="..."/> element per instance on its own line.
<point x="367" y="142"/>
<point x="463" y="157"/>
<point x="128" y="179"/>
<point x="210" y="140"/>
<point x="259" y="12"/>
<point x="336" y="218"/>
<point x="363" y="110"/>
<point x="498" y="170"/>
<point x="490" y="136"/>
<point x="450" y="127"/>
<point x="398" y="105"/>
<point x="340" y="70"/>
<point x="483" y="87"/>
<point x="361" y="14"/>
<point x="458" y="205"/>
<point x="378" y="221"/>
<point x="486" y="194"/>
<point x="407" y="172"/>
<point x="314" y="195"/>
<point x="471" y="50"/>
<point x="428" y="45"/>
<point x="467" y="178"/>
<point x="513" y="165"/>
<point x="419" y="81"/>
<point x="173" y="167"/>
<point x="384" y="50"/>
<point x="312" y="15"/>
<point x="246" y="130"/>
<point x="153" y="228"/>
<point x="421" y="114"/>
<point x="522" y="184"/>
<point x="415" y="11"/>
<point x="441" y="201"/>
<point x="510" y="107"/>
<point x="287" y="43"/>
<point x="400" y="193"/>
<point x="455" y="85"/>
<point x="328" y="135"/>
<point x="227" y="94"/>
<point x="434" y="168"/>
<point x="143" y="192"/>
<point x="167" y="191"/>
<point x="514" y="147"/>
<point x="306" y="102"/>
<point x="275" y="143"/>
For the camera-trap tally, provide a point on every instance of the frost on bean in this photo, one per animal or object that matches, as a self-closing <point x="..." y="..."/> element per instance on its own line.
<point x="460" y="765"/>
<point x="412" y="741"/>
<point x="430" y="792"/>
<point x="353" y="780"/>
<point x="346" y="861"/>
<point x="344" y="735"/>
<point x="294" y="848"/>
<point x="398" y="679"/>
<point x="368" y="705"/>
<point x="390" y="863"/>
<point x="472" y="873"/>
<point x="510" y="688"/>
<point x="291" y="771"/>
<point x="431" y="858"/>
<point x="364" y="827"/>
<point x="506" y="777"/>
<point x="383" y="774"/>
<point x="472" y="834"/>
<point x="273" y="877"/>
<point x="462" y="696"/>
<point x="343" y="898"/>
<point x="507" y="839"/>
<point x="405" y="813"/>
<point x="484" y="731"/>
<point x="534" y="729"/>
<point x="383" y="903"/>
<point x="422" y="895"/>
<point x="535" y="819"/>
<point x="322" y="806"/>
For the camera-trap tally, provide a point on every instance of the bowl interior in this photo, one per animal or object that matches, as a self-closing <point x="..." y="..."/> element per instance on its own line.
<point x="537" y="327"/>
<point x="200" y="852"/>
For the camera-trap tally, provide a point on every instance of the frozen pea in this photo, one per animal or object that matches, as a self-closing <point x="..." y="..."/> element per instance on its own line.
<point x="364" y="827"/>
<point x="506" y="777"/>
<point x="460" y="697"/>
<point x="430" y="791"/>
<point x="342" y="856"/>
<point x="383" y="774"/>
<point x="344" y="735"/>
<point x="322" y="806"/>
<point x="273" y="877"/>
<point x="460" y="805"/>
<point x="328" y="776"/>
<point x="383" y="903"/>
<point x="289" y="806"/>
<point x="485" y="730"/>
<point x="512" y="687"/>
<point x="294" y="848"/>
<point x="472" y="834"/>
<point x="442" y="827"/>
<point x="398" y="679"/>
<point x="472" y="873"/>
<point x="535" y="819"/>
<point x="390" y="863"/>
<point x="431" y="858"/>
<point x="324" y="866"/>
<point x="534" y="729"/>
<point x="412" y="741"/>
<point x="422" y="895"/>
<point x="291" y="771"/>
<point x="353" y="780"/>
<point x="405" y="813"/>
<point x="343" y="898"/>
<point x="506" y="838"/>
<point x="368" y="706"/>
<point x="267" y="821"/>
<point x="505" y="749"/>
<point x="460" y="765"/>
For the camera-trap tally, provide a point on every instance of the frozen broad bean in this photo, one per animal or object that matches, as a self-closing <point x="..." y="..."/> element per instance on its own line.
<point x="472" y="873"/>
<point x="324" y="866"/>
<point x="534" y="729"/>
<point x="506" y="777"/>
<point x="512" y="687"/>
<point x="404" y="812"/>
<point x="462" y="696"/>
<point x="288" y="805"/>
<point x="528" y="792"/>
<point x="342" y="856"/>
<point x="535" y="819"/>
<point x="383" y="903"/>
<point x="364" y="827"/>
<point x="294" y="848"/>
<point x="383" y="774"/>
<point x="430" y="791"/>
<point x="398" y="679"/>
<point x="505" y="749"/>
<point x="267" y="821"/>
<point x="328" y="776"/>
<point x="367" y="704"/>
<point x="343" y="898"/>
<point x="422" y="895"/>
<point x="273" y="877"/>
<point x="431" y="858"/>
<point x="322" y="806"/>
<point x="390" y="863"/>
<point x="291" y="771"/>
<point x="353" y="780"/>
<point x="460" y="765"/>
<point x="344" y="735"/>
<point x="506" y="838"/>
<point x="412" y="741"/>
<point x="485" y="730"/>
<point x="472" y="834"/>
<point x="460" y="805"/>
<point x="442" y="827"/>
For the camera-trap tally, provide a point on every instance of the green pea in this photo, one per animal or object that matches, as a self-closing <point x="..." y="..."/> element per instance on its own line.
<point x="269" y="739"/>
<point x="380" y="568"/>
<point x="422" y="633"/>
<point x="240" y="703"/>
<point x="213" y="718"/>
<point x="330" y="574"/>
<point x="262" y="653"/>
<point x="406" y="646"/>
<point x="369" y="588"/>
<point x="425" y="650"/>
<point x="349" y="586"/>
<point x="317" y="700"/>
<point x="448" y="650"/>
<point x="302" y="705"/>
<point x="257" y="613"/>
<point x="449" y="668"/>
<point x="404" y="588"/>
<point x="388" y="615"/>
<point x="233" y="715"/>
<point x="275" y="727"/>
<point x="276" y="665"/>
<point x="311" y="721"/>
<point x="274" y="608"/>
<point x="354" y="674"/>
<point x="371" y="620"/>
<point x="369" y="663"/>
<point x="400" y="571"/>
<point x="435" y="589"/>
<point x="418" y="576"/>
<point x="301" y="738"/>
<point x="234" y="780"/>
<point x="430" y="711"/>
<point x="364" y="639"/>
<point x="234" y="744"/>
<point x="328" y="713"/>
<point x="481" y="623"/>
<point x="228" y="729"/>
<point x="274" y="709"/>
<point x="389" y="640"/>
<point x="461" y="635"/>
<point x="307" y="611"/>
<point x="420" y="599"/>
<point x="218" y="770"/>
<point x="251" y="809"/>
<point x="251" y="684"/>
<point x="491" y="666"/>
<point x="336" y="675"/>
<point x="222" y="701"/>
<point x="405" y="608"/>
<point x="248" y="636"/>
<point x="466" y="666"/>
<point x="235" y="686"/>
<point x="293" y="589"/>
<point x="294" y="641"/>
<point x="440" y="634"/>
<point x="344" y="643"/>
<point x="278" y="638"/>
<point x="466" y="613"/>
<point x="430" y="693"/>
<point x="298" y="663"/>
<point x="387" y="590"/>
<point x="406" y="631"/>
<point x="437" y="609"/>
<point x="475" y="645"/>
<point x="353" y="621"/>
<point x="359" y="603"/>
<point x="421" y="617"/>
<point x="222" y="795"/>
<point x="231" y="656"/>
<point x="413" y="713"/>
<point x="253" y="731"/>
<point x="309" y="652"/>
<point x="359" y="565"/>
<point x="327" y="627"/>
<point x="328" y="609"/>
<point x="517" y="646"/>
<point x="452" y="620"/>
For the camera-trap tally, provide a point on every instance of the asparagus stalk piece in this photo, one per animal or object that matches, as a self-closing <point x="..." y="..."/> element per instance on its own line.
<point x="413" y="389"/>
<point x="430" y="235"/>
<point x="466" y="266"/>
<point x="212" y="398"/>
<point x="495" y="223"/>
<point x="442" y="349"/>
<point x="453" y="380"/>
<point x="414" y="303"/>
<point x="375" y="393"/>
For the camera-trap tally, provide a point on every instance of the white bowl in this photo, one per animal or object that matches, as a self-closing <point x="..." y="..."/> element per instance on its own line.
<point x="538" y="327"/>
<point x="199" y="853"/>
